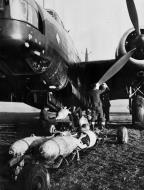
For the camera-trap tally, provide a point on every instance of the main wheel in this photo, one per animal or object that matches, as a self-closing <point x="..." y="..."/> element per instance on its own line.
<point x="122" y="135"/>
<point x="138" y="110"/>
<point x="38" y="178"/>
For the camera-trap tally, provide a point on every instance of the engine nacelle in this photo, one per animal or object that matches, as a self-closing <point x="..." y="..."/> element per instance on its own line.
<point x="128" y="42"/>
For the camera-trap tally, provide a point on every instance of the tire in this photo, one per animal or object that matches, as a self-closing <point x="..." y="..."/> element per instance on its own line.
<point x="138" y="110"/>
<point x="122" y="135"/>
<point x="38" y="178"/>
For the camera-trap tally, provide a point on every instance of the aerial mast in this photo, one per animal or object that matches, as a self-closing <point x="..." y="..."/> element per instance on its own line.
<point x="43" y="4"/>
<point x="86" y="55"/>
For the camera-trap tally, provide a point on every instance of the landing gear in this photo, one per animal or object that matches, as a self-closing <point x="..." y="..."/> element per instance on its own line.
<point x="138" y="110"/>
<point x="136" y="103"/>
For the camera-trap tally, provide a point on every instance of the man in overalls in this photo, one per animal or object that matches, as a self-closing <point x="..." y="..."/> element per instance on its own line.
<point x="105" y="101"/>
<point x="97" y="110"/>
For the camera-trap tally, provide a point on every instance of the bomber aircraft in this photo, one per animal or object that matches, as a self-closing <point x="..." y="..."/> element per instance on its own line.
<point x="40" y="66"/>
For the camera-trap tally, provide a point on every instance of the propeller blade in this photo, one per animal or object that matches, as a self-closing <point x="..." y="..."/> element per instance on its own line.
<point x="133" y="15"/>
<point x="116" y="67"/>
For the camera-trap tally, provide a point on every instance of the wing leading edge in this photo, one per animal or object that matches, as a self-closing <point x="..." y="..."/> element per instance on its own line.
<point x="87" y="73"/>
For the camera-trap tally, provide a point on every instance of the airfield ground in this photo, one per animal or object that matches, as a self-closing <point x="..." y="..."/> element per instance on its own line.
<point x="107" y="166"/>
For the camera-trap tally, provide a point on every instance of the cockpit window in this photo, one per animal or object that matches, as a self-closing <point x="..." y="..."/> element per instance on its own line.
<point x="18" y="9"/>
<point x="32" y="16"/>
<point x="22" y="10"/>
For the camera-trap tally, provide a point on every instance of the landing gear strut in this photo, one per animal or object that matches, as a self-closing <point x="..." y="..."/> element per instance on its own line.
<point x="136" y="104"/>
<point x="138" y="110"/>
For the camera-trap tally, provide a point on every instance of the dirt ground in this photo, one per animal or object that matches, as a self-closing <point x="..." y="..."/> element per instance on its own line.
<point x="107" y="166"/>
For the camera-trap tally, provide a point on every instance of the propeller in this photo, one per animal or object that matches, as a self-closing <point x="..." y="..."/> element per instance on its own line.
<point x="139" y="40"/>
<point x="116" y="67"/>
<point x="138" y="43"/>
<point x="133" y="16"/>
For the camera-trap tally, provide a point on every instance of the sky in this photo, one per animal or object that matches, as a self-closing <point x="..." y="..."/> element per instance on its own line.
<point x="95" y="24"/>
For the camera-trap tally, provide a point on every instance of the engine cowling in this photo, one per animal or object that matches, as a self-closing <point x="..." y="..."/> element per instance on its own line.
<point x="130" y="41"/>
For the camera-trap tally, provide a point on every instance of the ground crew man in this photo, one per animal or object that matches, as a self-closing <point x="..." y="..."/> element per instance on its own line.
<point x="97" y="111"/>
<point x="105" y="101"/>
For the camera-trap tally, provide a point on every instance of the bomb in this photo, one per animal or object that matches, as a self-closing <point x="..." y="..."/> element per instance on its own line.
<point x="19" y="147"/>
<point x="65" y="145"/>
<point x="59" y="146"/>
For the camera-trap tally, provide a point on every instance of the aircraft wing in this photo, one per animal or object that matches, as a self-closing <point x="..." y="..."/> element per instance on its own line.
<point x="90" y="72"/>
<point x="113" y="72"/>
<point x="85" y="74"/>
<point x="102" y="71"/>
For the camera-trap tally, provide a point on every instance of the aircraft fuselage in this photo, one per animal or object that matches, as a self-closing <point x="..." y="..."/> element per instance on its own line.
<point x="34" y="42"/>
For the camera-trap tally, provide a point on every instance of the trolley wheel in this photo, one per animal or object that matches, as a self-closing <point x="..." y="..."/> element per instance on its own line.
<point x="37" y="178"/>
<point x="122" y="135"/>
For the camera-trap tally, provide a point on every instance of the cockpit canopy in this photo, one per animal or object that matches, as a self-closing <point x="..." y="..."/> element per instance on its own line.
<point x="27" y="11"/>
<point x="55" y="16"/>
<point x="23" y="10"/>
